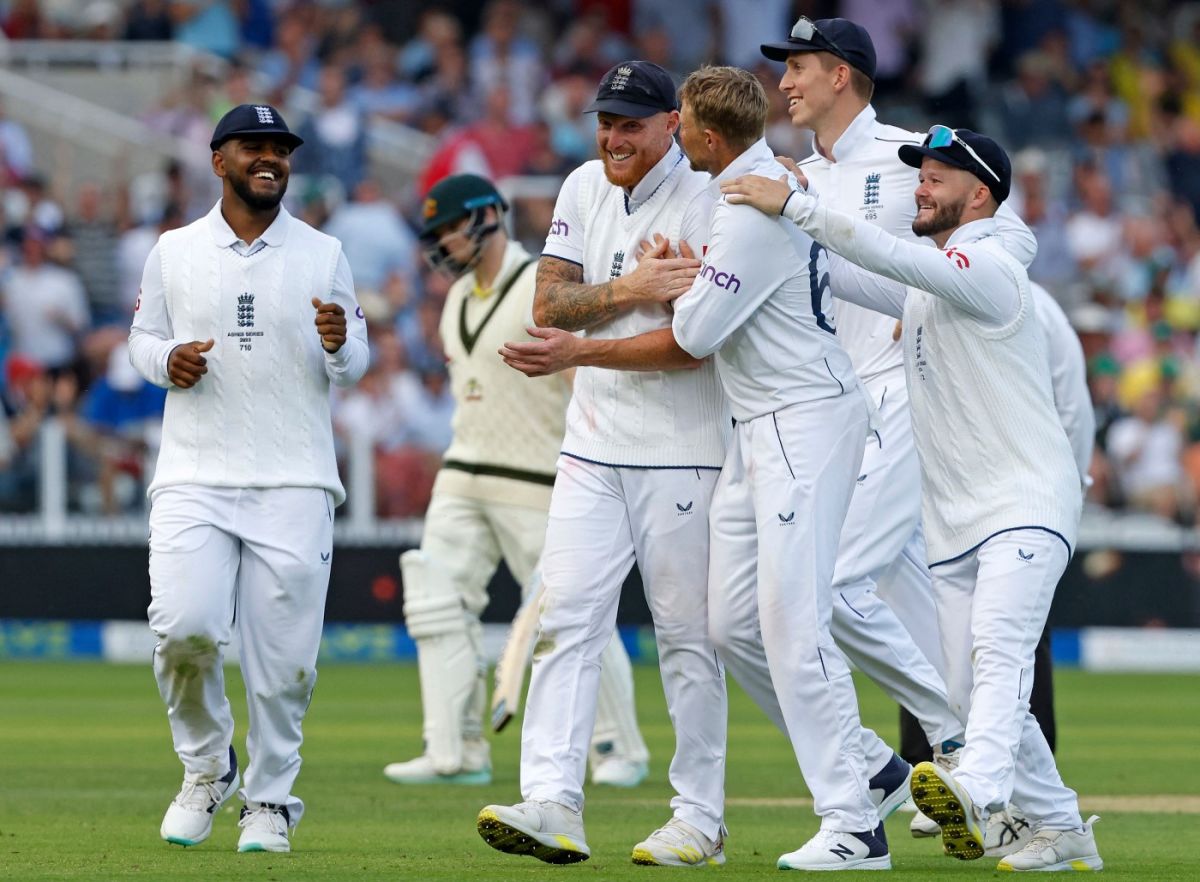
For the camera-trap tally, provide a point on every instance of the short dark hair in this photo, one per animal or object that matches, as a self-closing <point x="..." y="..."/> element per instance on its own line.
<point x="728" y="100"/>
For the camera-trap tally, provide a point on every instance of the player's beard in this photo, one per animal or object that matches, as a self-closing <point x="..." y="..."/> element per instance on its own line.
<point x="257" y="201"/>
<point x="946" y="216"/>
<point x="631" y="173"/>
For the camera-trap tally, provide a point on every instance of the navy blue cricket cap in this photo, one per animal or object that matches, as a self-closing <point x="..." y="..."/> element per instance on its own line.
<point x="968" y="150"/>
<point x="837" y="36"/>
<point x="635" y="88"/>
<point x="253" y="120"/>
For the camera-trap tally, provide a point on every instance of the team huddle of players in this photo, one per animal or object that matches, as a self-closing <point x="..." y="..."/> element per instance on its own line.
<point x="820" y="406"/>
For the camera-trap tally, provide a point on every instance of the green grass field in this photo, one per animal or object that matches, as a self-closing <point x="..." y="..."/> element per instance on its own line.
<point x="86" y="770"/>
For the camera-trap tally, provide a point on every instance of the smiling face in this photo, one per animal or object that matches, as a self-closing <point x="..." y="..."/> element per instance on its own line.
<point x="943" y="193"/>
<point x="809" y="88"/>
<point x="255" y="169"/>
<point x="630" y="147"/>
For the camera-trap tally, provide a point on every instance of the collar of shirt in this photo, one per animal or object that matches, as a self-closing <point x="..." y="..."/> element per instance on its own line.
<point x="224" y="236"/>
<point x="514" y="255"/>
<point x="644" y="189"/>
<point x="971" y="231"/>
<point x="859" y="132"/>
<point x="748" y="161"/>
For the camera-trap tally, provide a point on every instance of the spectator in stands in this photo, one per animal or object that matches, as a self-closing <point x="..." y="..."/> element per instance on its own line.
<point x="381" y="93"/>
<point x="133" y="249"/>
<point x="293" y="60"/>
<point x="337" y="132"/>
<point x="376" y="242"/>
<point x="1094" y="231"/>
<point x="45" y="306"/>
<point x="1033" y="108"/>
<point x="436" y="30"/>
<point x="502" y="56"/>
<point x="1145" y="450"/>
<point x="120" y="411"/>
<point x="94" y="233"/>
<point x="1054" y="267"/>
<point x="693" y="36"/>
<point x="955" y="44"/>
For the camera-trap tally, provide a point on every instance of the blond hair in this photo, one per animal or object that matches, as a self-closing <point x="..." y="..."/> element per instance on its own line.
<point x="728" y="100"/>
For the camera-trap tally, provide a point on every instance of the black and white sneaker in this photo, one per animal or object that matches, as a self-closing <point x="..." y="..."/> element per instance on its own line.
<point x="829" y="850"/>
<point x="889" y="786"/>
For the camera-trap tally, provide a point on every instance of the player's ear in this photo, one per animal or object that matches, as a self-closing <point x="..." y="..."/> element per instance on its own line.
<point x="218" y="162"/>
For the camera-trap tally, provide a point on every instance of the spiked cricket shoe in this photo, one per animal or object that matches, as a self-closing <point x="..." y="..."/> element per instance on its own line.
<point x="542" y="829"/>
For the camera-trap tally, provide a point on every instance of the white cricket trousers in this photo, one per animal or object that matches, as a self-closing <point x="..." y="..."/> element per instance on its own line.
<point x="776" y="518"/>
<point x="992" y="605"/>
<point x="882" y="545"/>
<point x="602" y="520"/>
<point x="257" y="560"/>
<point x="466" y="538"/>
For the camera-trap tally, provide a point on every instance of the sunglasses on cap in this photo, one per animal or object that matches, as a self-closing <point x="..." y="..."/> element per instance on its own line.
<point x="805" y="30"/>
<point x="943" y="136"/>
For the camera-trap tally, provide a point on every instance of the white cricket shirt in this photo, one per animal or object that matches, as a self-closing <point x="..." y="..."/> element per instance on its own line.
<point x="994" y="455"/>
<point x="865" y="178"/>
<point x="646" y="419"/>
<point x="260" y="416"/>
<point x="761" y="302"/>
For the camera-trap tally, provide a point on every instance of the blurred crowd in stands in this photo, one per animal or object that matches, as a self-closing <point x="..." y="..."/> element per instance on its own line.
<point x="1098" y="102"/>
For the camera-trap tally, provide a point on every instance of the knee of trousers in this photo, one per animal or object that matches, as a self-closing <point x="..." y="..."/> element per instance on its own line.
<point x="734" y="637"/>
<point x="189" y="650"/>
<point x="291" y="685"/>
<point x="432" y="605"/>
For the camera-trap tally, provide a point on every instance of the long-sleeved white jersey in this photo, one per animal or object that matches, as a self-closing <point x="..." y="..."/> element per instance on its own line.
<point x="260" y="416"/>
<point x="761" y="302"/>
<point x="865" y="178"/>
<point x="994" y="455"/>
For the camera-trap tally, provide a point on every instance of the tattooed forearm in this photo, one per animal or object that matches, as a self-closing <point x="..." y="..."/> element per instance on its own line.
<point x="563" y="301"/>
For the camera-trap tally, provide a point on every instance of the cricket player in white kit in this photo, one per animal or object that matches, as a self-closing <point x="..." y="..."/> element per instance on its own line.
<point x="246" y="316"/>
<point x="640" y="459"/>
<point x="1001" y="490"/>
<point x="828" y="78"/>
<point x="762" y="304"/>
<point x="490" y="499"/>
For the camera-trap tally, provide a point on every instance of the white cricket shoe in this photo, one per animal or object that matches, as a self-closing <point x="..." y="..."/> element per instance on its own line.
<point x="189" y="817"/>
<point x="618" y="771"/>
<point x="476" y="768"/>
<point x="542" y="829"/>
<point x="889" y="786"/>
<point x="923" y="827"/>
<point x="264" y="828"/>
<point x="939" y="796"/>
<point x="679" y="844"/>
<point x="1006" y="832"/>
<point x="839" y="851"/>
<point x="1057" y="850"/>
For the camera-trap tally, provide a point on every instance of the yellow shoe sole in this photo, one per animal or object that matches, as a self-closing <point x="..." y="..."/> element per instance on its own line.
<point x="936" y="797"/>
<point x="506" y="838"/>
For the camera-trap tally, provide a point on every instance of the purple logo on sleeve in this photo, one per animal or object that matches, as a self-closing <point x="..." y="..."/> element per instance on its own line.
<point x="358" y="312"/>
<point x="728" y="281"/>
<point x="560" y="228"/>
